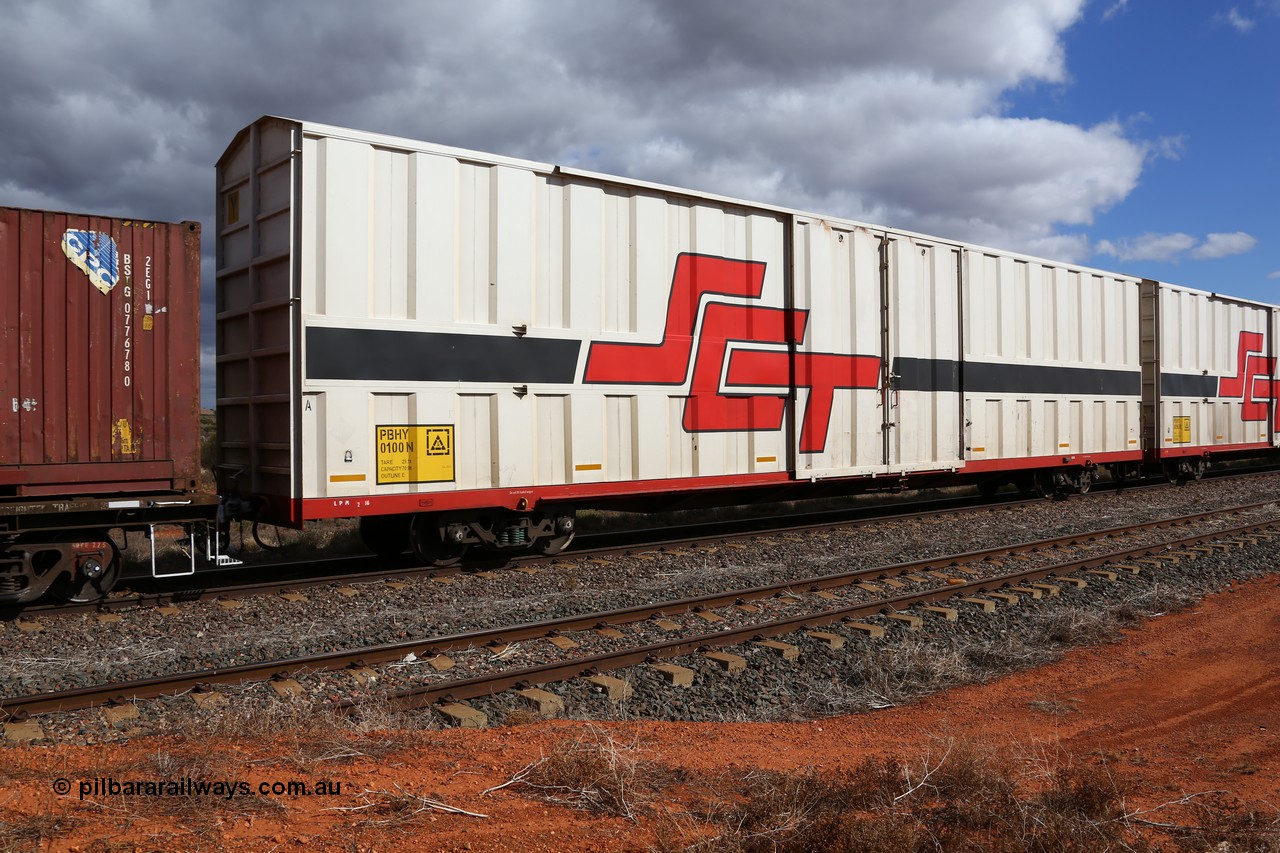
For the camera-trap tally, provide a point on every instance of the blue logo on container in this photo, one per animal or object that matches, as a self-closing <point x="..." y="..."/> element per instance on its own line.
<point x="94" y="253"/>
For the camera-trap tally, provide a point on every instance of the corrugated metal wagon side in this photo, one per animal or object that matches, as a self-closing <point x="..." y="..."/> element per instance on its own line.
<point x="460" y="348"/>
<point x="407" y="329"/>
<point x="1052" y="372"/>
<point x="99" y="396"/>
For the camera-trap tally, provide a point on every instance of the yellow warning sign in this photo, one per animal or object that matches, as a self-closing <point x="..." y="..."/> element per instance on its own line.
<point x="413" y="453"/>
<point x="1182" y="429"/>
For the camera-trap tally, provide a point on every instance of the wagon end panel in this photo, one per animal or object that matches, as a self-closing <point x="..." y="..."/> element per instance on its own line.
<point x="257" y="319"/>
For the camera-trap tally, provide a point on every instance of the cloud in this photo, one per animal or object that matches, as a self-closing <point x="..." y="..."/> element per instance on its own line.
<point x="1274" y="275"/>
<point x="1173" y="247"/>
<point x="1224" y="245"/>
<point x="1148" y="247"/>
<point x="1169" y="147"/>
<point x="1114" y="9"/>
<point x="1237" y="20"/>
<point x="857" y="108"/>
<point x="868" y="110"/>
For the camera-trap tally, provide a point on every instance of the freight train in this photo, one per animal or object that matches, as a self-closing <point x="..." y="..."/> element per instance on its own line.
<point x="462" y="350"/>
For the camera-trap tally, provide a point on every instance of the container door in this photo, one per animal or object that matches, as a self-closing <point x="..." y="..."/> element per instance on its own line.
<point x="921" y="293"/>
<point x="839" y="364"/>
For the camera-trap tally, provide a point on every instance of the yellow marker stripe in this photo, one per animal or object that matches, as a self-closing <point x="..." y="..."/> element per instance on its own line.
<point x="1133" y="441"/>
<point x="346" y="478"/>
<point x="766" y="459"/>
<point x="593" y="466"/>
<point x="1068" y="444"/>
<point x="979" y="450"/>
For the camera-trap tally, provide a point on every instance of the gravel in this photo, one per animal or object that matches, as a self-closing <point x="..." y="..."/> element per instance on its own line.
<point x="80" y="650"/>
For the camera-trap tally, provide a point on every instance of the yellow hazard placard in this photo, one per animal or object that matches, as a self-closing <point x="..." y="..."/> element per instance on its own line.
<point x="1182" y="429"/>
<point x="414" y="453"/>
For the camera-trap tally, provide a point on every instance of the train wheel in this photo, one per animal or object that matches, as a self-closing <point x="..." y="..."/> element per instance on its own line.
<point x="1184" y="470"/>
<point x="429" y="546"/>
<point x="1123" y="474"/>
<point x="565" y="525"/>
<point x="91" y="579"/>
<point x="385" y="535"/>
<point x="552" y="545"/>
<point x="1084" y="481"/>
<point x="1045" y="485"/>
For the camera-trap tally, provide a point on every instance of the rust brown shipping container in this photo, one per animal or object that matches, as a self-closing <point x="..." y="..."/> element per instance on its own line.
<point x="100" y="386"/>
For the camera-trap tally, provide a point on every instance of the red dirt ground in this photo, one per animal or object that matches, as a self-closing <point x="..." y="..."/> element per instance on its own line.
<point x="1186" y="703"/>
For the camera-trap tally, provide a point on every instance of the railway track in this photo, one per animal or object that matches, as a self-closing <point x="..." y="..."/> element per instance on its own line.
<point x="981" y="579"/>
<point x="227" y="583"/>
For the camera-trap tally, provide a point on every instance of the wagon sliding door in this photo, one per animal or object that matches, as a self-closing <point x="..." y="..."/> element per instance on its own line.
<point x="922" y="292"/>
<point x="876" y="363"/>
<point x="838" y="360"/>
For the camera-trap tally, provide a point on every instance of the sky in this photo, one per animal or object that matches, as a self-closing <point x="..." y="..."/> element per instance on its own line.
<point x="1137" y="136"/>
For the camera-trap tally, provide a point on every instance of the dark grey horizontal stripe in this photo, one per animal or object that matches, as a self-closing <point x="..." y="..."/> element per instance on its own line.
<point x="979" y="377"/>
<point x="926" y="374"/>
<point x="990" y="378"/>
<point x="383" y="355"/>
<point x="1188" y="385"/>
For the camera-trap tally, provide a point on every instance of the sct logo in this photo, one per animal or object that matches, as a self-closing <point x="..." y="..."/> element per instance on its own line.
<point x="738" y="346"/>
<point x="94" y="253"/>
<point x="1252" y="383"/>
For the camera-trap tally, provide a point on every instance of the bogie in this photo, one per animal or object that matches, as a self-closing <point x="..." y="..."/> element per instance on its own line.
<point x="1185" y="469"/>
<point x="72" y="567"/>
<point x="444" y="539"/>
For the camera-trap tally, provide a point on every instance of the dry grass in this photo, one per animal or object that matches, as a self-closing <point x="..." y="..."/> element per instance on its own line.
<point x="958" y="797"/>
<point x="1219" y="822"/>
<point x="395" y="808"/>
<point x="35" y="832"/>
<point x="1053" y="707"/>
<point x="279" y="741"/>
<point x="962" y="797"/>
<point x="185" y="816"/>
<point x="597" y="773"/>
<point x="304" y="735"/>
<point x="1075" y="626"/>
<point x="521" y="717"/>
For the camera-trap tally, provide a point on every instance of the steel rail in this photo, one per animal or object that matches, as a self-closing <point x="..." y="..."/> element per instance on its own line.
<point x="486" y="685"/>
<point x="615" y="542"/>
<point x="79" y="698"/>
<point x="686" y="537"/>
